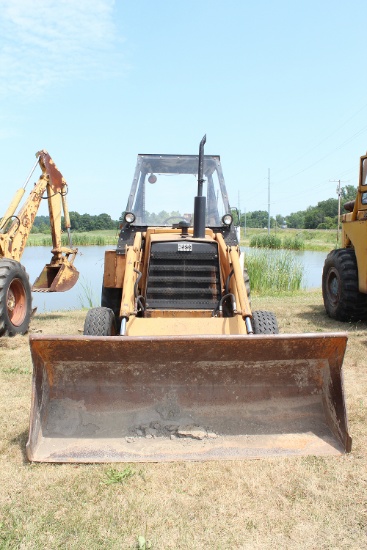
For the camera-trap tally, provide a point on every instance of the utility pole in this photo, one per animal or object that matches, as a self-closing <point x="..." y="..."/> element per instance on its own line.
<point x="268" y="201"/>
<point x="339" y="193"/>
<point x="239" y="218"/>
<point x="239" y="209"/>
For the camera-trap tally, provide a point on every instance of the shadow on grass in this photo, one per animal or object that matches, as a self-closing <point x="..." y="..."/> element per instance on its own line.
<point x="317" y="316"/>
<point x="21" y="440"/>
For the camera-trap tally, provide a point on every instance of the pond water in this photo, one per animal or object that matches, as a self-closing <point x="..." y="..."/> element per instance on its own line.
<point x="89" y="263"/>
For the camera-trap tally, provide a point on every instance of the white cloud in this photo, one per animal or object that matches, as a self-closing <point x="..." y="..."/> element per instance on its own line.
<point x="44" y="42"/>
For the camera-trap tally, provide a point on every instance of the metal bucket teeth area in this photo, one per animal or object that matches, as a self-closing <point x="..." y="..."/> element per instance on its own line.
<point x="106" y="399"/>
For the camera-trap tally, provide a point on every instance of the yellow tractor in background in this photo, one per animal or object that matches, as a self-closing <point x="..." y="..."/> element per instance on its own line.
<point x="344" y="278"/>
<point x="57" y="276"/>
<point x="175" y="365"/>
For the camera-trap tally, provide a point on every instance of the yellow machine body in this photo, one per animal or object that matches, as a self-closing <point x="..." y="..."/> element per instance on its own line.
<point x="175" y="365"/>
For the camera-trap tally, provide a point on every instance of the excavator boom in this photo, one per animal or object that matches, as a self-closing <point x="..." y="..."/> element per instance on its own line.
<point x="57" y="276"/>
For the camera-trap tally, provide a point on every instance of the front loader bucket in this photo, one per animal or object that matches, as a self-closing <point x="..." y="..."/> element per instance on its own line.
<point x="56" y="278"/>
<point x="140" y="399"/>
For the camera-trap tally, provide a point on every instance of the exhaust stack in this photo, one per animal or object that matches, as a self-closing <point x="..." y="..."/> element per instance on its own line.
<point x="200" y="200"/>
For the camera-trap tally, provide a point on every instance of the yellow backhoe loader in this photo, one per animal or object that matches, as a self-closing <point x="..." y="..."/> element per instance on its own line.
<point x="344" y="278"/>
<point x="57" y="276"/>
<point x="175" y="365"/>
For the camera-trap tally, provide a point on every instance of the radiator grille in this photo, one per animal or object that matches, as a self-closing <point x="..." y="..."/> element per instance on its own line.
<point x="183" y="280"/>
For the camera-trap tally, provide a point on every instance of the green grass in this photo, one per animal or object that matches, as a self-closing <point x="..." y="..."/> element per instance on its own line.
<point x="294" y="502"/>
<point x="87" y="297"/>
<point x="116" y="476"/>
<point x="287" y="242"/>
<point x="296" y="239"/>
<point x="322" y="240"/>
<point x="273" y="272"/>
<point x="293" y="242"/>
<point x="266" y="241"/>
<point x="92" y="238"/>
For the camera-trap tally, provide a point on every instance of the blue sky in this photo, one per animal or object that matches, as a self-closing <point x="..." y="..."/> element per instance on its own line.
<point x="277" y="85"/>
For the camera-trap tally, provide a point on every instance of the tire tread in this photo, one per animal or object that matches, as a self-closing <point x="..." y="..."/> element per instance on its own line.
<point x="265" y="322"/>
<point x="100" y="321"/>
<point x="7" y="267"/>
<point x="352" y="305"/>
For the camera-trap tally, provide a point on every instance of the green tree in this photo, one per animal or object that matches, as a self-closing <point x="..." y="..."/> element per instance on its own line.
<point x="296" y="220"/>
<point x="257" y="218"/>
<point x="104" y="221"/>
<point x="329" y="207"/>
<point x="279" y="220"/>
<point x="75" y="221"/>
<point x="348" y="193"/>
<point x="314" y="216"/>
<point x="328" y="223"/>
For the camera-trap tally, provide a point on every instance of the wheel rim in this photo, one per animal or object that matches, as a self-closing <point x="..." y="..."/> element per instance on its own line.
<point x="333" y="286"/>
<point x="16" y="301"/>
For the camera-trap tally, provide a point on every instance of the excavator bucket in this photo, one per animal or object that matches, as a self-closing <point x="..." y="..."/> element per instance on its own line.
<point x="56" y="278"/>
<point x="153" y="399"/>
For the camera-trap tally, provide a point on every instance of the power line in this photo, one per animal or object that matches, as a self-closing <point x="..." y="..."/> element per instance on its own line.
<point x="346" y="142"/>
<point x="322" y="141"/>
<point x="327" y="154"/>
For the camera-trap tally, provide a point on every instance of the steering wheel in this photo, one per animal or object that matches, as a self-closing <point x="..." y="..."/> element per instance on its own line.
<point x="175" y="218"/>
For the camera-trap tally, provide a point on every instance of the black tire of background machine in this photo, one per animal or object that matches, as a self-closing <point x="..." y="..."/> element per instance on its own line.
<point x="264" y="322"/>
<point x="342" y="299"/>
<point x="15" y="298"/>
<point x="100" y="321"/>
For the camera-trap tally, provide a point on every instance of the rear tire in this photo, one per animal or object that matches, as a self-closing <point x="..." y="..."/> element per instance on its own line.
<point x="342" y="299"/>
<point x="264" y="322"/>
<point x="100" y="321"/>
<point x="15" y="298"/>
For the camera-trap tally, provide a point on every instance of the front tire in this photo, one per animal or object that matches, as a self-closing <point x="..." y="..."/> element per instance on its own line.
<point x="15" y="298"/>
<point x="100" y="321"/>
<point x="264" y="322"/>
<point x="340" y="291"/>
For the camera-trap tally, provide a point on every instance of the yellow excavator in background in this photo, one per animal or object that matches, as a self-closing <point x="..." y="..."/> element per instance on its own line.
<point x="175" y="365"/>
<point x="57" y="276"/>
<point x="344" y="277"/>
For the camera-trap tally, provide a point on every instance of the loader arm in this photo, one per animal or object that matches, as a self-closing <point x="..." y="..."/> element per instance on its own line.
<point x="132" y="264"/>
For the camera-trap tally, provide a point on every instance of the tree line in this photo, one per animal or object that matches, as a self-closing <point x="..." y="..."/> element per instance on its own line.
<point x="322" y="216"/>
<point x="78" y="222"/>
<point x="86" y="222"/>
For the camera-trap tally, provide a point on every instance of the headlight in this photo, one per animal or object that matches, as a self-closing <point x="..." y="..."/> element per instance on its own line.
<point x="129" y="217"/>
<point x="227" y="219"/>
